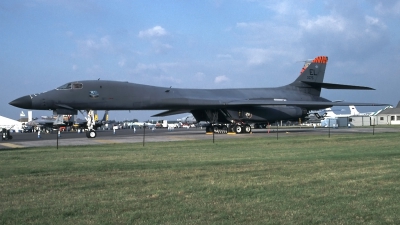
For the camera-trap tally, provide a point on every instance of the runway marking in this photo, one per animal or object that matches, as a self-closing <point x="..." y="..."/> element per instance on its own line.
<point x="10" y="145"/>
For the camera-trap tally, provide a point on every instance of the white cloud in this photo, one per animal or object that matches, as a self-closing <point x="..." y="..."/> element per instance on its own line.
<point x="159" y="47"/>
<point x="373" y="21"/>
<point x="330" y="23"/>
<point x="153" y="35"/>
<point x="260" y="56"/>
<point x="388" y="8"/>
<point x="281" y="7"/>
<point x="94" y="46"/>
<point x="221" y="79"/>
<point x="101" y="43"/>
<point x="156" y="31"/>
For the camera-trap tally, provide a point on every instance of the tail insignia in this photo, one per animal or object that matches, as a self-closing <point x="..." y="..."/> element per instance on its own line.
<point x="318" y="59"/>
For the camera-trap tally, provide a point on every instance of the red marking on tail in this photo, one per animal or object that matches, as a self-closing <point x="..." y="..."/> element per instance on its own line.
<point x="318" y="59"/>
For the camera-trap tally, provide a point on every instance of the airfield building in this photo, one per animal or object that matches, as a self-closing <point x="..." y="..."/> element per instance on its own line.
<point x="10" y="124"/>
<point x="389" y="116"/>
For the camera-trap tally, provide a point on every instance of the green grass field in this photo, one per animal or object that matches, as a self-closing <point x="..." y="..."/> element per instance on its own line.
<point x="345" y="179"/>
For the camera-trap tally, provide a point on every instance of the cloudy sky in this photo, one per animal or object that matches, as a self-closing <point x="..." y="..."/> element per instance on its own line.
<point x="198" y="44"/>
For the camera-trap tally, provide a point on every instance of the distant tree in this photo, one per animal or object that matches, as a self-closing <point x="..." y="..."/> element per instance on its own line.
<point x="135" y="120"/>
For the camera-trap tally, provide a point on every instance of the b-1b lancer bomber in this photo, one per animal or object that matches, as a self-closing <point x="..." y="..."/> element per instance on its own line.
<point x="227" y="110"/>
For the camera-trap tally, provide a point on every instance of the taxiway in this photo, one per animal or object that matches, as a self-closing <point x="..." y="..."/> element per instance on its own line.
<point x="26" y="140"/>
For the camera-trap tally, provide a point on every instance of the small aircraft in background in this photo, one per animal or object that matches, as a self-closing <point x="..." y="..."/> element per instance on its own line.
<point x="329" y="113"/>
<point x="146" y="124"/>
<point x="83" y="123"/>
<point x="188" y="120"/>
<point x="48" y="123"/>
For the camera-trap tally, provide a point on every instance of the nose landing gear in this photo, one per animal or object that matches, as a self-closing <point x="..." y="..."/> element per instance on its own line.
<point x="91" y="134"/>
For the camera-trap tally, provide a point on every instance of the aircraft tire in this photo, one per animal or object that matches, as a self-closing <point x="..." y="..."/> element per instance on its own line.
<point x="224" y="129"/>
<point x="91" y="134"/>
<point x="215" y="129"/>
<point x="230" y="128"/>
<point x="238" y="129"/>
<point x="247" y="128"/>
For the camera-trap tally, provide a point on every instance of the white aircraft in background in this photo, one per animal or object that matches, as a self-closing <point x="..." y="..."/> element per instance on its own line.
<point x="189" y="119"/>
<point x="140" y="125"/>
<point x="353" y="112"/>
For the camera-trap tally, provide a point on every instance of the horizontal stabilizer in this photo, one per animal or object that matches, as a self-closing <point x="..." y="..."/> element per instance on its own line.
<point x="337" y="86"/>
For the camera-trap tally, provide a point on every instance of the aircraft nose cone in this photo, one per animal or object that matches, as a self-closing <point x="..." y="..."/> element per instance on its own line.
<point x="24" y="102"/>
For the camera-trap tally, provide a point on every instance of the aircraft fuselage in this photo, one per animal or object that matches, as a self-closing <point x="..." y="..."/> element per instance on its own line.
<point x="114" y="95"/>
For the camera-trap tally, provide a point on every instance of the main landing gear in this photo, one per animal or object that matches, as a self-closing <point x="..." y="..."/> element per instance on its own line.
<point x="241" y="128"/>
<point x="231" y="128"/>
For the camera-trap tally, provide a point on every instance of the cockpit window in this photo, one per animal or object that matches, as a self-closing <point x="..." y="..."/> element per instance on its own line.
<point x="70" y="86"/>
<point x="77" y="86"/>
<point x="65" y="87"/>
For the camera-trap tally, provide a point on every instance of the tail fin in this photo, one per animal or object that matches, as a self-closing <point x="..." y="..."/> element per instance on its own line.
<point x="105" y="117"/>
<point x="96" y="116"/>
<point x="59" y="120"/>
<point x="312" y="75"/>
<point x="313" y="70"/>
<point x="353" y="110"/>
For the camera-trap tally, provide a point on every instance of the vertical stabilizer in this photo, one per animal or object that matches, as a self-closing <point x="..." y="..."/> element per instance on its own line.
<point x="312" y="75"/>
<point x="59" y="120"/>
<point x="353" y="110"/>
<point x="105" y="117"/>
<point x="96" y="116"/>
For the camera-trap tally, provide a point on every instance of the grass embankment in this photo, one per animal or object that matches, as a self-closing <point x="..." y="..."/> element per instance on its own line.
<point x="349" y="179"/>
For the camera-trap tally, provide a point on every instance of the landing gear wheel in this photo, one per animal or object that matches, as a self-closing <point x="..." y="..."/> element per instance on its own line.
<point x="238" y="129"/>
<point x="231" y="128"/>
<point x="215" y="129"/>
<point x="91" y="134"/>
<point x="247" y="128"/>
<point x="224" y="129"/>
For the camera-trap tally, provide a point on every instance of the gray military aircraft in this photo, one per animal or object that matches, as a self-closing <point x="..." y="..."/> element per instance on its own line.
<point x="226" y="109"/>
<point x="48" y="123"/>
<point x="83" y="123"/>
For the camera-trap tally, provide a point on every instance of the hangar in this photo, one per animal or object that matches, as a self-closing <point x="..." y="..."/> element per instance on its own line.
<point x="10" y="124"/>
<point x="385" y="116"/>
<point x="389" y="116"/>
